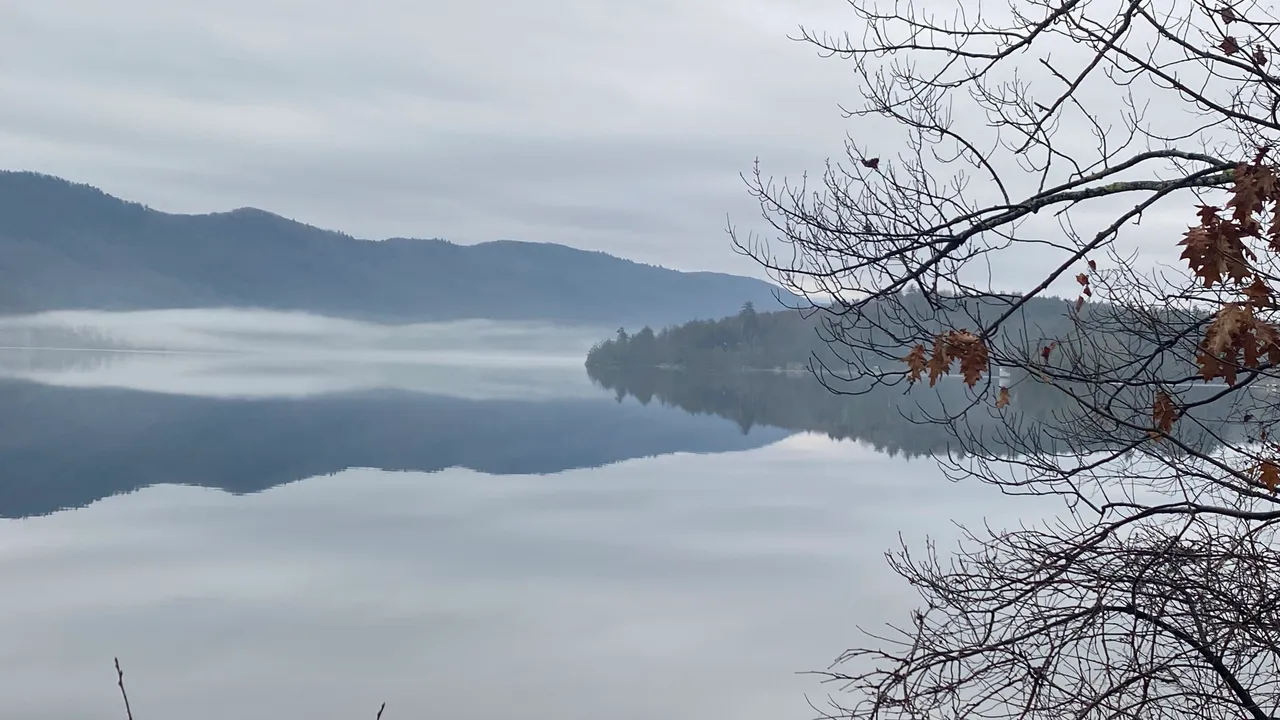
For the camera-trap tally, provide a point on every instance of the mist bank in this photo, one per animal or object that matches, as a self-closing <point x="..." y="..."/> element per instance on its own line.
<point x="218" y="353"/>
<point x="239" y="330"/>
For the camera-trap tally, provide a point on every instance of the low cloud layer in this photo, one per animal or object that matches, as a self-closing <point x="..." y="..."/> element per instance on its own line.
<point x="604" y="126"/>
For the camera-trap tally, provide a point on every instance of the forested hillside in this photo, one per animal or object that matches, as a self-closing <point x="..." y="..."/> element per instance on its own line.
<point x="70" y="246"/>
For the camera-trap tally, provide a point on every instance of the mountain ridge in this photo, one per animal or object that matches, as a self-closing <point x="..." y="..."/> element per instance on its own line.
<point x="67" y="245"/>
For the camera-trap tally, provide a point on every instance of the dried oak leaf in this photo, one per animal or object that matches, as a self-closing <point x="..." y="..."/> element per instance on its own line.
<point x="1046" y="350"/>
<point x="1254" y="186"/>
<point x="873" y="163"/>
<point x="1002" y="399"/>
<point x="1215" y="249"/>
<point x="939" y="363"/>
<point x="1082" y="279"/>
<point x="1258" y="293"/>
<point x="1236" y="338"/>
<point x="1093" y="266"/>
<point x="1163" y="412"/>
<point x="1229" y="45"/>
<point x="1266" y="342"/>
<point x="915" y="364"/>
<point x="1269" y="475"/>
<point x="1259" y="56"/>
<point x="1224" y="332"/>
<point x="1228" y="14"/>
<point x="973" y="355"/>
<point x="1211" y="367"/>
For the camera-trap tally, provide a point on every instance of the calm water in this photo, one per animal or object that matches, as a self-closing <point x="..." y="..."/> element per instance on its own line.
<point x="283" y="516"/>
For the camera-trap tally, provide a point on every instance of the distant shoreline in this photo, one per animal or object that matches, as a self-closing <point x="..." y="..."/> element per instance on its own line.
<point x="123" y="351"/>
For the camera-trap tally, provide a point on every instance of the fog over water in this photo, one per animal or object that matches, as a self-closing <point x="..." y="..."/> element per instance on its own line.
<point x="236" y="353"/>
<point x="291" y="516"/>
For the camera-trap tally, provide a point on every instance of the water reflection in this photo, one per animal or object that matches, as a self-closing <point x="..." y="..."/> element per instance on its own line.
<point x="679" y="587"/>
<point x="396" y="546"/>
<point x="897" y="422"/>
<point x="66" y="447"/>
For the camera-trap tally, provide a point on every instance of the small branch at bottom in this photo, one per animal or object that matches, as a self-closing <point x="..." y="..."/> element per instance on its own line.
<point x="120" y="681"/>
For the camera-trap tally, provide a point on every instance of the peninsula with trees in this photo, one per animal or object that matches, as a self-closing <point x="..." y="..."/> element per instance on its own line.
<point x="778" y="369"/>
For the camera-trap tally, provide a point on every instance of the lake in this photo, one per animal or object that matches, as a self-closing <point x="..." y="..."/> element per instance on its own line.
<point x="269" y="515"/>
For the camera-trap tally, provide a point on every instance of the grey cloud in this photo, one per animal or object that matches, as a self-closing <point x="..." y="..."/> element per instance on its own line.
<point x="612" y="127"/>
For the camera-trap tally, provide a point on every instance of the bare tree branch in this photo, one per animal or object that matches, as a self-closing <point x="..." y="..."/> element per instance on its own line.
<point x="1056" y="147"/>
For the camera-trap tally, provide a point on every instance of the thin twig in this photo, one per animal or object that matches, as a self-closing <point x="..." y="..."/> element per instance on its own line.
<point x="120" y="680"/>
<point x="384" y="707"/>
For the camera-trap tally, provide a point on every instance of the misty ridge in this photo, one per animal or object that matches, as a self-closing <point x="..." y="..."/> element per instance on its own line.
<point x="67" y="246"/>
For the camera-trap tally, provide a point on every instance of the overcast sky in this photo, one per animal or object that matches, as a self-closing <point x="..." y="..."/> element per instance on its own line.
<point x="612" y="126"/>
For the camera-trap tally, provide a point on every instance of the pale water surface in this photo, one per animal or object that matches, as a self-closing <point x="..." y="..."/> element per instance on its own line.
<point x="293" y="517"/>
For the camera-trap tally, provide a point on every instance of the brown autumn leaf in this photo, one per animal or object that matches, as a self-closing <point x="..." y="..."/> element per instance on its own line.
<point x="1259" y="56"/>
<point x="1163" y="412"/>
<point x="974" y="358"/>
<point x="1212" y="367"/>
<point x="1229" y="45"/>
<point x="1082" y="279"/>
<point x="1228" y="14"/>
<point x="1201" y="249"/>
<point x="1044" y="351"/>
<point x="1273" y="233"/>
<point x="939" y="363"/>
<point x="1079" y="303"/>
<point x="1267" y="337"/>
<point x="1254" y="185"/>
<point x="1236" y="338"/>
<point x="1269" y="475"/>
<point x="1215" y="248"/>
<point x="1223" y="333"/>
<point x="873" y="163"/>
<point x="1208" y="364"/>
<point x="1258" y="293"/>
<point x="915" y="364"/>
<point x="1002" y="399"/>
<point x="1093" y="266"/>
<point x="1262" y="341"/>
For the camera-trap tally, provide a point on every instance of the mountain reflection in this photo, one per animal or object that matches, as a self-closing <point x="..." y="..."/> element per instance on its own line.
<point x="63" y="447"/>
<point x="76" y="427"/>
